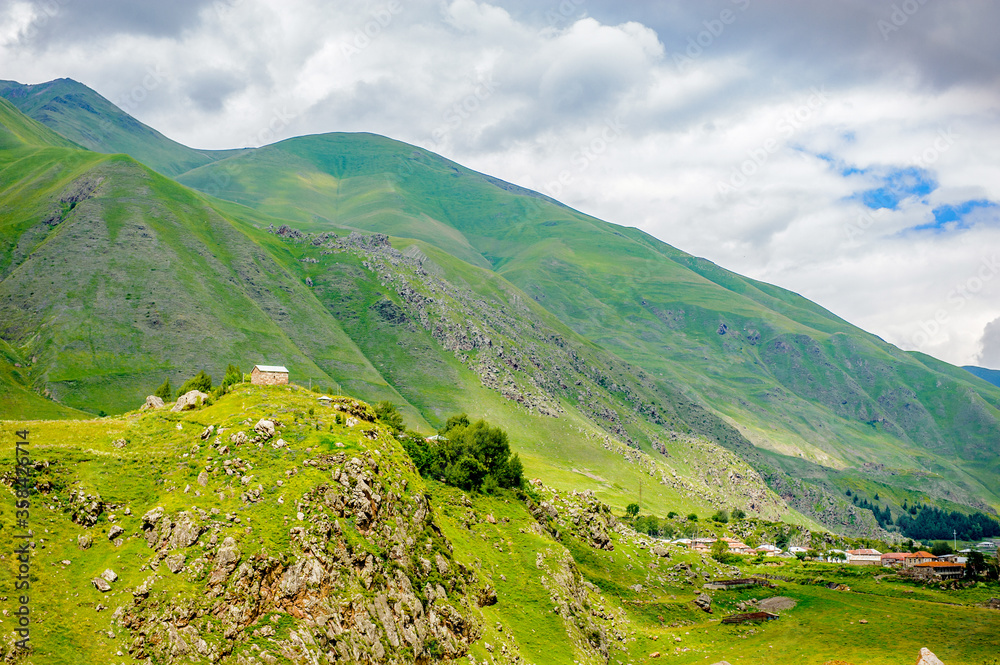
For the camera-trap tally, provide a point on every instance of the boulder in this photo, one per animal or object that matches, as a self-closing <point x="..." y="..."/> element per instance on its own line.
<point x="928" y="658"/>
<point x="186" y="531"/>
<point x="152" y="402"/>
<point x="190" y="400"/>
<point x="115" y="531"/>
<point x="265" y="428"/>
<point x="101" y="584"/>
<point x="660" y="551"/>
<point x="203" y="478"/>
<point x="109" y="575"/>
<point x="175" y="562"/>
<point x="84" y="541"/>
<point x="704" y="602"/>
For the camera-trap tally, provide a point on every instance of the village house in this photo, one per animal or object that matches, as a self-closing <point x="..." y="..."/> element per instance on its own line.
<point x="917" y="558"/>
<point x="767" y="550"/>
<point x="736" y="546"/>
<point x="894" y="559"/>
<point x="941" y="570"/>
<point x="864" y="557"/>
<point x="269" y="375"/>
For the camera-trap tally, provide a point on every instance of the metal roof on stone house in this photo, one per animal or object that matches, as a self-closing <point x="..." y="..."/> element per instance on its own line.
<point x="271" y="368"/>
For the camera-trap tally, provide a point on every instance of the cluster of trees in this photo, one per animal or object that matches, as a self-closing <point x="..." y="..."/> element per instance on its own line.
<point x="929" y="523"/>
<point x="934" y="524"/>
<point x="201" y="381"/>
<point x="884" y="517"/>
<point x="472" y="456"/>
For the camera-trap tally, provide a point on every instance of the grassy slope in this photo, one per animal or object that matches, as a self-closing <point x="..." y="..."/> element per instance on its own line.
<point x="144" y="281"/>
<point x="522" y="563"/>
<point x="798" y="380"/>
<point x="83" y="116"/>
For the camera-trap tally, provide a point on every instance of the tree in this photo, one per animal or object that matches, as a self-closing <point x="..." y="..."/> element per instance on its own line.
<point x="721" y="516"/>
<point x="464" y="454"/>
<point x="720" y="549"/>
<point x="200" y="381"/>
<point x="941" y="548"/>
<point x="738" y="514"/>
<point x="165" y="392"/>
<point x="233" y="377"/>
<point x="692" y="517"/>
<point x="390" y="416"/>
<point x="632" y="509"/>
<point x="975" y="564"/>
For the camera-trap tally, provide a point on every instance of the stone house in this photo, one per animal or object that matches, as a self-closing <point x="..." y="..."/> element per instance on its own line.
<point x="940" y="570"/>
<point x="269" y="375"/>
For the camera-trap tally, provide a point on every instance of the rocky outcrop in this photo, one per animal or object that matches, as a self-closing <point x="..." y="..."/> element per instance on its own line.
<point x="86" y="508"/>
<point x="703" y="602"/>
<point x="353" y="577"/>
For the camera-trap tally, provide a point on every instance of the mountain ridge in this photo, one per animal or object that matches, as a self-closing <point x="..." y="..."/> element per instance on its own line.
<point x="818" y="405"/>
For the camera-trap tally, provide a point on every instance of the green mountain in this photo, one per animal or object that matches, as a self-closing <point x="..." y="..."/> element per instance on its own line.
<point x="611" y="357"/>
<point x="990" y="375"/>
<point x="89" y="120"/>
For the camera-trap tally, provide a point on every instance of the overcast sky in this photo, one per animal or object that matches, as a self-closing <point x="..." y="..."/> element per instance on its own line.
<point x="845" y="150"/>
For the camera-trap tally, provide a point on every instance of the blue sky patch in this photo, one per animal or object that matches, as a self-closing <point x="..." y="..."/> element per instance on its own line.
<point x="953" y="217"/>
<point x="896" y="184"/>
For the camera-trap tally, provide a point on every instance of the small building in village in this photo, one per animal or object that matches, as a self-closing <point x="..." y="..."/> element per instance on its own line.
<point x="918" y="558"/>
<point x="269" y="375"/>
<point x="894" y="559"/>
<point x="864" y="557"/>
<point x="939" y="570"/>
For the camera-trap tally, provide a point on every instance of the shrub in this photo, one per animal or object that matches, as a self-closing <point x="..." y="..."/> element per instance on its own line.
<point x="721" y="516"/>
<point x="738" y="514"/>
<point x="165" y="392"/>
<point x="692" y="517"/>
<point x="720" y="550"/>
<point x="671" y="515"/>
<point x="632" y="509"/>
<point x="390" y="416"/>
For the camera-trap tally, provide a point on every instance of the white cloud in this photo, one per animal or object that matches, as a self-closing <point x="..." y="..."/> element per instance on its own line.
<point x="589" y="105"/>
